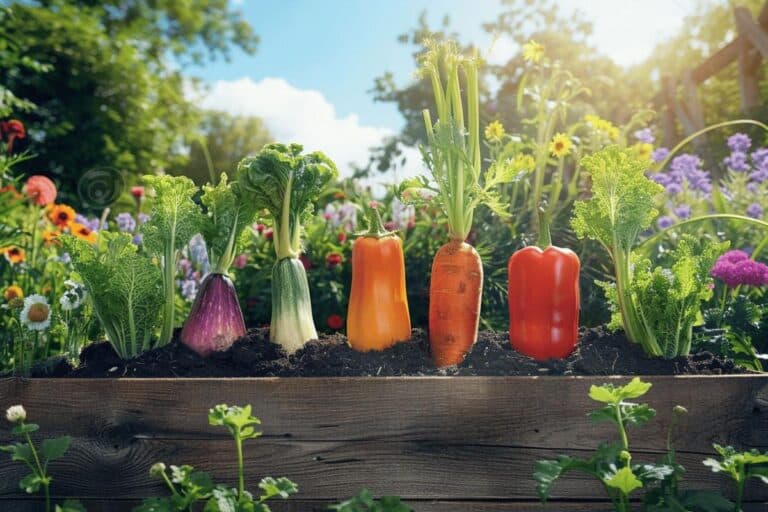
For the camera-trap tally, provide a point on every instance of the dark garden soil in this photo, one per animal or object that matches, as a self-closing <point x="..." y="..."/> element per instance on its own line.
<point x="599" y="353"/>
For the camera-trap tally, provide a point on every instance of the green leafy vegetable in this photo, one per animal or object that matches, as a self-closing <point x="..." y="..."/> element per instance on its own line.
<point x="123" y="287"/>
<point x="287" y="183"/>
<point x="227" y="214"/>
<point x="174" y="220"/>
<point x="365" y="502"/>
<point x="656" y="306"/>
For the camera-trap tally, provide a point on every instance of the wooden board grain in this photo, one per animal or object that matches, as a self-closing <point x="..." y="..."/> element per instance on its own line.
<point x="459" y="440"/>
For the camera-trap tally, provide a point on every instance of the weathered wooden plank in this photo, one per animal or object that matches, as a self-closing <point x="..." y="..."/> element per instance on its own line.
<point x="547" y="412"/>
<point x="329" y="469"/>
<point x="299" y="505"/>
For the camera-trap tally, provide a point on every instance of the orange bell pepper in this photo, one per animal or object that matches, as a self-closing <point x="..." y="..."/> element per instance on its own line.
<point x="378" y="314"/>
<point x="544" y="299"/>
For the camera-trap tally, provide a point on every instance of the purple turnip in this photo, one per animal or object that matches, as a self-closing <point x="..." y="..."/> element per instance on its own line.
<point x="216" y="320"/>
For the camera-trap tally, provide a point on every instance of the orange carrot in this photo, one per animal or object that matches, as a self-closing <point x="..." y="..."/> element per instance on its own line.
<point x="454" y="302"/>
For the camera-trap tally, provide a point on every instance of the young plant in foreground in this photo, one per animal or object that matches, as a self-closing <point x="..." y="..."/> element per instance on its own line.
<point x="287" y="183"/>
<point x="612" y="462"/>
<point x="378" y="303"/>
<point x="123" y="288"/>
<point x="216" y="319"/>
<point x="364" y="502"/>
<point x="740" y="466"/>
<point x="174" y="220"/>
<point x="454" y="160"/>
<point x="657" y="307"/>
<point x="189" y="486"/>
<point x="37" y="461"/>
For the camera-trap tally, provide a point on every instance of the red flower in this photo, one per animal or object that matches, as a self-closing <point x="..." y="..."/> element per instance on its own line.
<point x="41" y="190"/>
<point x="12" y="130"/>
<point x="335" y="322"/>
<point x="306" y="262"/>
<point x="137" y="192"/>
<point x="268" y="233"/>
<point x="334" y="259"/>
<point x="342" y="237"/>
<point x="241" y="260"/>
<point x="260" y="228"/>
<point x="390" y="226"/>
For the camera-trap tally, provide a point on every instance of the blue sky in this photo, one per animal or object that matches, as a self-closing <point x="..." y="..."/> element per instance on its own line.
<point x="318" y="58"/>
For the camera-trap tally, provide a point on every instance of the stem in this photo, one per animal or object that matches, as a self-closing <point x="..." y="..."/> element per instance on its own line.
<point x="702" y="218"/>
<point x="241" y="477"/>
<point x="283" y="239"/>
<point x="41" y="472"/>
<point x="740" y="490"/>
<point x="169" y="272"/>
<point x="622" y="430"/>
<point x="545" y="237"/>
<point x="375" y="225"/>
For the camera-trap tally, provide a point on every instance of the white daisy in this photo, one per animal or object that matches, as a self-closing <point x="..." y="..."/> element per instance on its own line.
<point x="36" y="314"/>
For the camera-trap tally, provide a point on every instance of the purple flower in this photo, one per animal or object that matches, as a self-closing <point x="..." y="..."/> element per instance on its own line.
<point x="737" y="161"/>
<point x="683" y="211"/>
<point x="760" y="158"/>
<point x="188" y="289"/>
<point x="65" y="258"/>
<point x="739" y="142"/>
<point x="665" y="222"/>
<point x="125" y="222"/>
<point x="661" y="178"/>
<point x="755" y="210"/>
<point x="699" y="180"/>
<point x="645" y="135"/>
<point x="659" y="154"/>
<point x="674" y="188"/>
<point x="138" y="238"/>
<point x="752" y="187"/>
<point x="734" y="268"/>
<point x="760" y="175"/>
<point x="685" y="164"/>
<point x="143" y="217"/>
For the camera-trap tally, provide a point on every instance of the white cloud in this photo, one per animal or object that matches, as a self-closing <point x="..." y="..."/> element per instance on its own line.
<point x="304" y="116"/>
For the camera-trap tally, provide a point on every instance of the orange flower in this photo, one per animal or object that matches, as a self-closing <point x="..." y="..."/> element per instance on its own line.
<point x="11" y="191"/>
<point x="13" y="292"/>
<point x="50" y="237"/>
<point x="14" y="254"/>
<point x="61" y="215"/>
<point x="82" y="232"/>
<point x="41" y="190"/>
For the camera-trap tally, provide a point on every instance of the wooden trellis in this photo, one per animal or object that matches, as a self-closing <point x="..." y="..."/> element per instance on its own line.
<point x="749" y="48"/>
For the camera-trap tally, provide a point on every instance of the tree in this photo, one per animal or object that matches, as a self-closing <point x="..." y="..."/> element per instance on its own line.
<point x="112" y="98"/>
<point x="227" y="139"/>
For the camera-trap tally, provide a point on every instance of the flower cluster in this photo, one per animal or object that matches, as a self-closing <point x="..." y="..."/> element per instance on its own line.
<point x="735" y="268"/>
<point x="342" y="216"/>
<point x="73" y="297"/>
<point x="193" y="268"/>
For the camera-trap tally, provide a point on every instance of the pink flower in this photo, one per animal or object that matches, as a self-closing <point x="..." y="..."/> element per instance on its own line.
<point x="137" y="192"/>
<point x="342" y="237"/>
<point x="240" y="261"/>
<point x="735" y="268"/>
<point x="268" y="233"/>
<point x="41" y="190"/>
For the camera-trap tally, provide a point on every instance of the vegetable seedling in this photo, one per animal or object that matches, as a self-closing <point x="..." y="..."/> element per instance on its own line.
<point x="287" y="183"/>
<point x="378" y="314"/>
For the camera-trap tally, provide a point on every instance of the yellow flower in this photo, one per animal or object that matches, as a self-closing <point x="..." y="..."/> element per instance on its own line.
<point x="494" y="132"/>
<point x="61" y="215"/>
<point x="13" y="292"/>
<point x="643" y="150"/>
<point x="602" y="125"/>
<point x="560" y="145"/>
<point x="14" y="254"/>
<point x="83" y="232"/>
<point x="533" y="51"/>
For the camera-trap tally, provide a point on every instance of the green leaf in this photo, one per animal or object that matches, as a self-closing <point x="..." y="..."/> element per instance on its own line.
<point x="622" y="202"/>
<point x="20" y="452"/>
<point x="548" y="471"/>
<point x="705" y="501"/>
<point x="610" y="394"/>
<point x="281" y="487"/>
<point x="631" y="414"/>
<point x="624" y="480"/>
<point x="225" y="499"/>
<point x="155" y="505"/>
<point x="227" y="214"/>
<point x="653" y="473"/>
<point x="72" y="506"/>
<point x="364" y="502"/>
<point x="238" y="420"/>
<point x="25" y="428"/>
<point x="55" y="448"/>
<point x="30" y="483"/>
<point x="287" y="183"/>
<point x="175" y="218"/>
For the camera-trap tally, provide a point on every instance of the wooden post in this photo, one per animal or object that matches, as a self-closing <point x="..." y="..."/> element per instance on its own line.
<point x="749" y="78"/>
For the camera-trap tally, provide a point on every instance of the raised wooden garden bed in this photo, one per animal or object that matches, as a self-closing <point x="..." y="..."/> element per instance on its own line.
<point x="444" y="443"/>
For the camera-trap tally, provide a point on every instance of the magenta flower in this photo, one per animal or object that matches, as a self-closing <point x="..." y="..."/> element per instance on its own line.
<point x="735" y="268"/>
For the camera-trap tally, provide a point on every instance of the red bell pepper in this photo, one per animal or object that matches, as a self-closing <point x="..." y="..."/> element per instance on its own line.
<point x="544" y="299"/>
